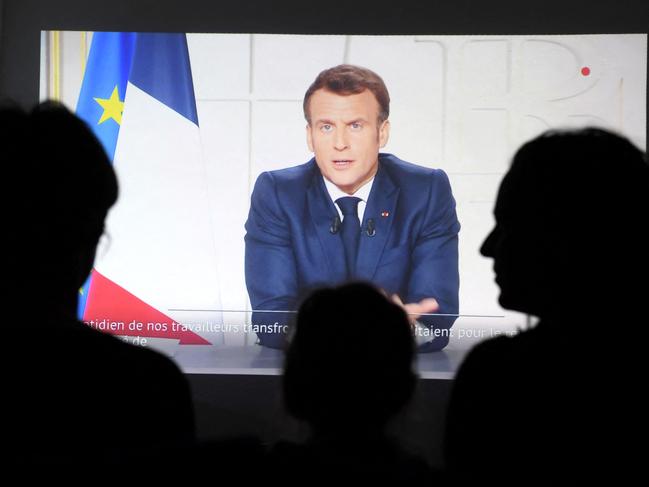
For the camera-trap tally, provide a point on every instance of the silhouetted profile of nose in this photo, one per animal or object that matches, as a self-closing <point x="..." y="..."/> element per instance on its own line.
<point x="487" y="247"/>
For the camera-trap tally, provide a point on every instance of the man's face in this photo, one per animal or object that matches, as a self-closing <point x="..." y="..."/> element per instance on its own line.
<point x="345" y="137"/>
<point x="518" y="247"/>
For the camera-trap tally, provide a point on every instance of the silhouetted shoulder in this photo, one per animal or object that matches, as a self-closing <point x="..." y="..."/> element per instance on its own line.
<point x="102" y="396"/>
<point x="511" y="389"/>
<point x="106" y="351"/>
<point x="519" y="359"/>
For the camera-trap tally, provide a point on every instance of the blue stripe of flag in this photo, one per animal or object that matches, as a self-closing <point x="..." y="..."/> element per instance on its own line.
<point x="162" y="69"/>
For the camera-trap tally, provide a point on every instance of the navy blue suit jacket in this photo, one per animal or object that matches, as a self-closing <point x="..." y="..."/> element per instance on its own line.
<point x="290" y="249"/>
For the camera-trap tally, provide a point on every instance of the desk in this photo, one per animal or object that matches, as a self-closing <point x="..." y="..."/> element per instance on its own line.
<point x="256" y="360"/>
<point x="240" y="359"/>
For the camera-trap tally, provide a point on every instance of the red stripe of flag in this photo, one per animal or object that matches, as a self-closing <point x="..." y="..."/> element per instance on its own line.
<point x="109" y="301"/>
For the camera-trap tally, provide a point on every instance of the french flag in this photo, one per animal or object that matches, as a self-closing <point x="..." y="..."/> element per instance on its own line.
<point x="155" y="274"/>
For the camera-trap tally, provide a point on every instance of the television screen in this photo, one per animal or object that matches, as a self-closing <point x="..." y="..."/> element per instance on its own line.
<point x="197" y="123"/>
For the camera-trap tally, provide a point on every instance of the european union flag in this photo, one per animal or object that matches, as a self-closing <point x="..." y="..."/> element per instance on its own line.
<point x="101" y="100"/>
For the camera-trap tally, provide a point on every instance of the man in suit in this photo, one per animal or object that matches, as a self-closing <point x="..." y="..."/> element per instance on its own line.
<point x="352" y="213"/>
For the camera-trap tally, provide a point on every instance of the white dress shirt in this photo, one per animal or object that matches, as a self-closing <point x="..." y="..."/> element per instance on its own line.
<point x="363" y="193"/>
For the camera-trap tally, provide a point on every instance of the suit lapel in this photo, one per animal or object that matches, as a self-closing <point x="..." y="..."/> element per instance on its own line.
<point x="323" y="212"/>
<point x="381" y="201"/>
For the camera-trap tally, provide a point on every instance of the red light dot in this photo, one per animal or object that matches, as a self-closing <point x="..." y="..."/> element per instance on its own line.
<point x="585" y="70"/>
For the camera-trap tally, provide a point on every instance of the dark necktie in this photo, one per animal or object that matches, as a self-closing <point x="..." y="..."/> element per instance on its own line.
<point x="350" y="230"/>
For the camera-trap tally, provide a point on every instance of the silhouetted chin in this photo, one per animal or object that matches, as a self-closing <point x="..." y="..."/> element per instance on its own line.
<point x="512" y="302"/>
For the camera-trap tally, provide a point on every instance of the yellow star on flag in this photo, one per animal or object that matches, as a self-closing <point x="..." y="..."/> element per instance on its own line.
<point x="112" y="106"/>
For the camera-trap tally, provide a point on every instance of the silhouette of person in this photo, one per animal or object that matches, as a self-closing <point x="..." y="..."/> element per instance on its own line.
<point x="73" y="394"/>
<point x="348" y="371"/>
<point x="555" y="401"/>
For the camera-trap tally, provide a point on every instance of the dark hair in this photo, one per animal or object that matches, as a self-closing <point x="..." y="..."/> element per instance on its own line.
<point x="350" y="358"/>
<point x="63" y="181"/>
<point x="347" y="79"/>
<point x="579" y="176"/>
<point x="582" y="196"/>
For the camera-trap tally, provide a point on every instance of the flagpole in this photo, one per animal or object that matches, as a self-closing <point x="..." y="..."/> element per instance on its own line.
<point x="56" y="64"/>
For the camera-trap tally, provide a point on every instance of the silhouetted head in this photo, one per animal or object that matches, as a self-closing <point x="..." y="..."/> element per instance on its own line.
<point x="349" y="363"/>
<point x="62" y="185"/>
<point x="570" y="218"/>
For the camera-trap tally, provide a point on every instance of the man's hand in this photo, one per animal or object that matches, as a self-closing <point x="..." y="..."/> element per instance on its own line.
<point x="415" y="310"/>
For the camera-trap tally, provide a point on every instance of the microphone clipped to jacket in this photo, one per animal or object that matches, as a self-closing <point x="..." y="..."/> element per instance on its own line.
<point x="335" y="225"/>
<point x="371" y="228"/>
